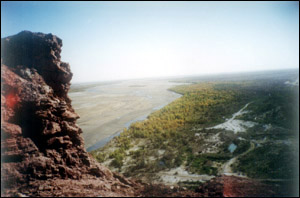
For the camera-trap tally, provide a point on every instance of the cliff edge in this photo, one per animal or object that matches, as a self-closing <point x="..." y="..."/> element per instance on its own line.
<point x="40" y="139"/>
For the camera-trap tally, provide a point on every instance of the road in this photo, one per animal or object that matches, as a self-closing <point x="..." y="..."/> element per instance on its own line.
<point x="227" y="170"/>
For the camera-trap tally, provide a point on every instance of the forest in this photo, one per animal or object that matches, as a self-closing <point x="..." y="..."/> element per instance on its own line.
<point x="182" y="133"/>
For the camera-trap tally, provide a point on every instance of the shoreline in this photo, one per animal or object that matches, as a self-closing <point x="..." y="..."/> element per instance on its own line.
<point x="105" y="110"/>
<point x="104" y="141"/>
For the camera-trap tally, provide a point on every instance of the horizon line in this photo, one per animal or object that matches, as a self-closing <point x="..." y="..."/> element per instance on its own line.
<point x="187" y="75"/>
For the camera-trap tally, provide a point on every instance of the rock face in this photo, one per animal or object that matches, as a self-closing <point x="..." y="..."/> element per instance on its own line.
<point x="40" y="139"/>
<point x="232" y="186"/>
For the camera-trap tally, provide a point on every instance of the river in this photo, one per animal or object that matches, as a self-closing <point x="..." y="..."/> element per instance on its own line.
<point x="105" y="109"/>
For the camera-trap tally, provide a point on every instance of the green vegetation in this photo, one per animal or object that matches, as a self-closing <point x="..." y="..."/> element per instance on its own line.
<point x="275" y="155"/>
<point x="170" y="130"/>
<point x="100" y="157"/>
<point x="268" y="161"/>
<point x="177" y="134"/>
<point x="276" y="106"/>
<point x="202" y="164"/>
<point x="242" y="146"/>
<point x="117" y="156"/>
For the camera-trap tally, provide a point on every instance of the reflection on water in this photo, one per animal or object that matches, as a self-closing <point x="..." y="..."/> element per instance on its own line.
<point x="102" y="142"/>
<point x="232" y="147"/>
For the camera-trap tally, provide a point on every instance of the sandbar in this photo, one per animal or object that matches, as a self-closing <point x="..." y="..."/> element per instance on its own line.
<point x="107" y="108"/>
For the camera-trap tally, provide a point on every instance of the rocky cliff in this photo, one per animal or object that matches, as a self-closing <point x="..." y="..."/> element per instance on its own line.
<point x="42" y="151"/>
<point x="40" y="139"/>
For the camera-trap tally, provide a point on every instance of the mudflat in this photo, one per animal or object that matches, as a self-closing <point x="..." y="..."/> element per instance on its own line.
<point x="107" y="108"/>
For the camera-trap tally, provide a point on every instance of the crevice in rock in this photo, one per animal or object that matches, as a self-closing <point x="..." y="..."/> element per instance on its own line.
<point x="31" y="125"/>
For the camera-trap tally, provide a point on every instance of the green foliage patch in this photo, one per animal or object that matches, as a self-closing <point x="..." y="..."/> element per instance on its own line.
<point x="168" y="134"/>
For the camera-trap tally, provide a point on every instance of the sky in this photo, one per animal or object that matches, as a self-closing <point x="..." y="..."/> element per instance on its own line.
<point x="126" y="40"/>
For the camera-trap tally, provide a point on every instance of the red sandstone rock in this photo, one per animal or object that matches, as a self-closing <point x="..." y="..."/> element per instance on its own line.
<point x="40" y="139"/>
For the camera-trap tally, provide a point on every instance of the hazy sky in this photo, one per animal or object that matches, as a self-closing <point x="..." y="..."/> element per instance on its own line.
<point x="123" y="40"/>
